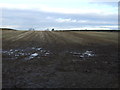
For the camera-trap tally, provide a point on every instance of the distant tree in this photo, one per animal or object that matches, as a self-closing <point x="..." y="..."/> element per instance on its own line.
<point x="47" y="29"/>
<point x="31" y="29"/>
<point x="53" y="29"/>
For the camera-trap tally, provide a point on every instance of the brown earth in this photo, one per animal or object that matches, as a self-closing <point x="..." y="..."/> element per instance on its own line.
<point x="61" y="69"/>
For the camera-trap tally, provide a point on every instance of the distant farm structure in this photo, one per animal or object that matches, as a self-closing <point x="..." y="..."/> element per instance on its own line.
<point x="53" y="29"/>
<point x="31" y="29"/>
<point x="47" y="29"/>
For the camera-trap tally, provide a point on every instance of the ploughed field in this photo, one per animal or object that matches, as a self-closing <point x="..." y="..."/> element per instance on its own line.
<point x="55" y="59"/>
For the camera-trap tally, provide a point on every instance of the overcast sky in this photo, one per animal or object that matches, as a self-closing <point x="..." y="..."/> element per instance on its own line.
<point x="59" y="14"/>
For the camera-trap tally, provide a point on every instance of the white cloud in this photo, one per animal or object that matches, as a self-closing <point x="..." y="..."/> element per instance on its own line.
<point x="81" y="10"/>
<point x="65" y="20"/>
<point x="49" y="17"/>
<point x="102" y="0"/>
<point x="84" y="28"/>
<point x="110" y="26"/>
<point x="17" y="6"/>
<point x="90" y="28"/>
<point x="55" y="1"/>
<point x="59" y="15"/>
<point x="9" y="26"/>
<point x="62" y="20"/>
<point x="113" y="27"/>
<point x="83" y="21"/>
<point x="92" y="8"/>
<point x="69" y="20"/>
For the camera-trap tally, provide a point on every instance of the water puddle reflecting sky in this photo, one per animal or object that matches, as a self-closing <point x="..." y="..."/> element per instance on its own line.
<point x="38" y="52"/>
<point x="27" y="53"/>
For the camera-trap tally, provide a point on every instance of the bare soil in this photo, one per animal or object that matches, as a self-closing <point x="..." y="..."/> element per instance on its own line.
<point x="59" y="63"/>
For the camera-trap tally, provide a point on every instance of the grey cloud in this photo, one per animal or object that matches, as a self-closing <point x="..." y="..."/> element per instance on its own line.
<point x="38" y="19"/>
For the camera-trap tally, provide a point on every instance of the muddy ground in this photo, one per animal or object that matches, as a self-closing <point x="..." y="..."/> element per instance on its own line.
<point x="51" y="59"/>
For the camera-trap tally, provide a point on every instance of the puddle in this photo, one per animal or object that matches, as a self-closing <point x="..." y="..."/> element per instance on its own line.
<point x="29" y="53"/>
<point x="47" y="53"/>
<point x="32" y="56"/>
<point x="33" y="47"/>
<point x="39" y="48"/>
<point x="38" y="52"/>
<point x="83" y="55"/>
<point x="87" y="54"/>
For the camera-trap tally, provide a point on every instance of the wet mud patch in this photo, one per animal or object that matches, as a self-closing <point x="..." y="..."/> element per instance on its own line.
<point x="76" y="60"/>
<point x="80" y="55"/>
<point x="28" y="53"/>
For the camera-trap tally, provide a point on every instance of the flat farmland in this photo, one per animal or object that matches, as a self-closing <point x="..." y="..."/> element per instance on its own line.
<point x="56" y="59"/>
